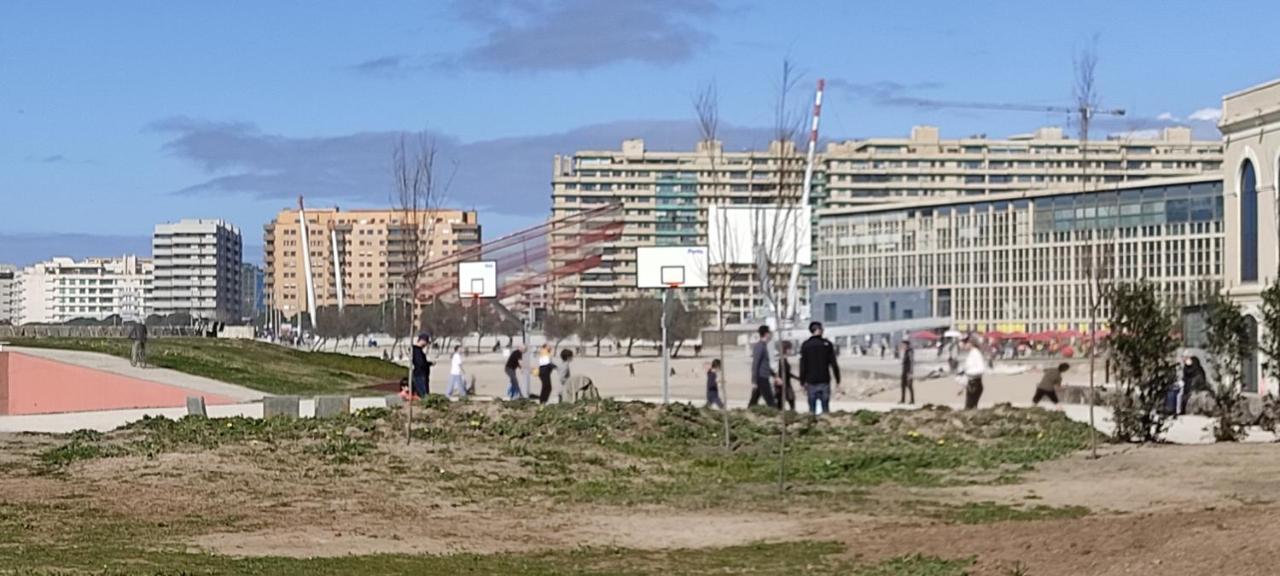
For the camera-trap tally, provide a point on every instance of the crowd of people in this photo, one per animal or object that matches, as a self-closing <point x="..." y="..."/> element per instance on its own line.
<point x="461" y="384"/>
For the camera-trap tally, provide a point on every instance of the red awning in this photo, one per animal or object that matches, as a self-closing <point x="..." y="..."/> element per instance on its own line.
<point x="924" y="335"/>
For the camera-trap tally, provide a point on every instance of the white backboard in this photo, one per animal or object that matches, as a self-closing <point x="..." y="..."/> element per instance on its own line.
<point x="731" y="231"/>
<point x="478" y="279"/>
<point x="663" y="266"/>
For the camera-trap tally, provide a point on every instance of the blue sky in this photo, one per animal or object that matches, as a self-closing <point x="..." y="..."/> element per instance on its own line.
<point x="118" y="115"/>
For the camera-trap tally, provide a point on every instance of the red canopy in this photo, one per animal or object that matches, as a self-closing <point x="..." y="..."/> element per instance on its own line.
<point x="924" y="335"/>
<point x="1046" y="336"/>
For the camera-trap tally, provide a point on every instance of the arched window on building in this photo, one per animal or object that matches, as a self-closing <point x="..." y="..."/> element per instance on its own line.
<point x="1248" y="223"/>
<point x="1249" y="366"/>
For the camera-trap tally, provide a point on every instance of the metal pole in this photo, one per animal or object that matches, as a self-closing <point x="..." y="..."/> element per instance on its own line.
<point x="666" y="371"/>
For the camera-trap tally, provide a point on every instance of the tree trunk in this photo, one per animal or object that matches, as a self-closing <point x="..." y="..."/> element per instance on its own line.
<point x="676" y="352"/>
<point x="630" y="343"/>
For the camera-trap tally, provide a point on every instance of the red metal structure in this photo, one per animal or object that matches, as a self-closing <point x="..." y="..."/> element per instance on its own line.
<point x="529" y="261"/>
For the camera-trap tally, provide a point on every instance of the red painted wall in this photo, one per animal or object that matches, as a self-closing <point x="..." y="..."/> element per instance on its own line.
<point x="30" y="385"/>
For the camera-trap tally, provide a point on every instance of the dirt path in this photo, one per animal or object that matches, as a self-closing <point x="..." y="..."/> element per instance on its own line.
<point x="1166" y="510"/>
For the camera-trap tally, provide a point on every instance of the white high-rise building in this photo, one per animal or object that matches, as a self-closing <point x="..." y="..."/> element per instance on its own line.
<point x="10" y="293"/>
<point x="62" y="289"/>
<point x="197" y="266"/>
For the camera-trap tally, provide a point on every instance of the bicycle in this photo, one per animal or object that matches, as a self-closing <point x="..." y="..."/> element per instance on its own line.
<point x="138" y="356"/>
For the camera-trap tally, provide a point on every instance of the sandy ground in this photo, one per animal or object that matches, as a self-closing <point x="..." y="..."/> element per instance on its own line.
<point x="1169" y="510"/>
<point x="864" y="378"/>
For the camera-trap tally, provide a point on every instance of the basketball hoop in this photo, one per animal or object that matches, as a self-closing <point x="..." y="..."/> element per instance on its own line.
<point x="674" y="284"/>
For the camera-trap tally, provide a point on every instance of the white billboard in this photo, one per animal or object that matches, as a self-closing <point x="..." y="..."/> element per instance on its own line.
<point x="785" y="232"/>
<point x="671" y="267"/>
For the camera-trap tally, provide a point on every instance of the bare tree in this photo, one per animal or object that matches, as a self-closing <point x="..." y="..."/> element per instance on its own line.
<point x="1086" y="100"/>
<point x="418" y="194"/>
<point x="769" y="234"/>
<point x="706" y="105"/>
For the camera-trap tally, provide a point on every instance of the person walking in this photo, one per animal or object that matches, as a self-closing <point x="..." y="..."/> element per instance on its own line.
<point x="713" y="385"/>
<point x="817" y="366"/>
<point x="139" y="335"/>
<point x="1050" y="384"/>
<point x="457" y="374"/>
<point x="762" y="373"/>
<point x="515" y="361"/>
<point x="545" y="368"/>
<point x="1194" y="380"/>
<point x="421" y="366"/>
<point x="975" y="365"/>
<point x="783" y="391"/>
<point x="566" y="359"/>
<point x="908" y="372"/>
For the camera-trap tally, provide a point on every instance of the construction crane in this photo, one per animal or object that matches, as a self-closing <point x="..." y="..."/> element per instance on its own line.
<point x="1085" y="113"/>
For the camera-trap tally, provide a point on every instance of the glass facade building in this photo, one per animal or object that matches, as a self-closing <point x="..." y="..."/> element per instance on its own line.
<point x="1020" y="262"/>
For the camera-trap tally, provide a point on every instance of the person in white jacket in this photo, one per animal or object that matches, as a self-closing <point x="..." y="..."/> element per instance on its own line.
<point x="975" y="365"/>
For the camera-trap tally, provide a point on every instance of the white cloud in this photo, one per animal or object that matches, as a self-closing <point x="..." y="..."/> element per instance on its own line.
<point x="1150" y="134"/>
<point x="1206" y="114"/>
<point x="1166" y="117"/>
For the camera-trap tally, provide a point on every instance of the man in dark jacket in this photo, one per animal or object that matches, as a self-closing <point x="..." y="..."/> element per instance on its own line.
<point x="421" y="365"/>
<point x="908" y="372"/>
<point x="817" y="366"/>
<point x="762" y="374"/>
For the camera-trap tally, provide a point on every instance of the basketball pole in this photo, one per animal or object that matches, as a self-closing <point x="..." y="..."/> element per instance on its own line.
<point x="666" y="370"/>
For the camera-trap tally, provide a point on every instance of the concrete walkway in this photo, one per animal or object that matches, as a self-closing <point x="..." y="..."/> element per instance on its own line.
<point x="107" y="363"/>
<point x="106" y="420"/>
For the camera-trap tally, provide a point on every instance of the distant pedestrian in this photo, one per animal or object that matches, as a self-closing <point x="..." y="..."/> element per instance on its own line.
<point x="1050" y="384"/>
<point x="975" y="365"/>
<point x="421" y="366"/>
<point x="457" y="373"/>
<point x="713" y="385"/>
<point x="784" y="391"/>
<point x="631" y="367"/>
<point x="1194" y="380"/>
<point x="566" y="372"/>
<point x="762" y="374"/>
<point x="908" y="372"/>
<point x="817" y="366"/>
<point x="545" y="368"/>
<point x="515" y="362"/>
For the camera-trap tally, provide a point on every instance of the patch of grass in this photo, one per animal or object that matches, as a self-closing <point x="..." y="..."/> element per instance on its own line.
<point x="258" y="365"/>
<point x="991" y="512"/>
<point x="626" y="453"/>
<point x="62" y="539"/>
<point x="338" y="440"/>
<point x="917" y="565"/>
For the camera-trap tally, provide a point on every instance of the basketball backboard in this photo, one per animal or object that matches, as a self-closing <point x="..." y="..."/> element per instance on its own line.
<point x="478" y="279"/>
<point x="671" y="267"/>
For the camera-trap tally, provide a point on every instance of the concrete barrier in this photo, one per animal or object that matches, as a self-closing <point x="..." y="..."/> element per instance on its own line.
<point x="394" y="401"/>
<point x="286" y="406"/>
<point x="195" y="407"/>
<point x="330" y="406"/>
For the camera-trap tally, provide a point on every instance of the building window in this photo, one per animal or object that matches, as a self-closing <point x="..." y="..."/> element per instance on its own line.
<point x="829" y="312"/>
<point x="1248" y="223"/>
<point x="855" y="309"/>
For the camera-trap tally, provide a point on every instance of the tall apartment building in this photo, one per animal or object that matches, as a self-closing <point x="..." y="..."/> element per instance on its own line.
<point x="373" y="249"/>
<point x="62" y="289"/>
<point x="1018" y="261"/>
<point x="924" y="165"/>
<point x="665" y="197"/>
<point x="197" y="269"/>
<point x="252" y="302"/>
<point x="10" y="294"/>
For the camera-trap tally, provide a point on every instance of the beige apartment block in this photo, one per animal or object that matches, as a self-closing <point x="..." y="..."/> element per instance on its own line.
<point x="374" y="249"/>
<point x="925" y="165"/>
<point x="665" y="196"/>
